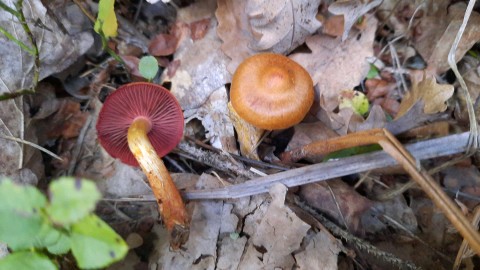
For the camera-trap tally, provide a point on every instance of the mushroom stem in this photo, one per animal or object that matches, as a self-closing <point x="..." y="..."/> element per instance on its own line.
<point x="170" y="203"/>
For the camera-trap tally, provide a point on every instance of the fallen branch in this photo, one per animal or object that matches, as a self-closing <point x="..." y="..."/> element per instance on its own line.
<point x="396" y="150"/>
<point x="447" y="145"/>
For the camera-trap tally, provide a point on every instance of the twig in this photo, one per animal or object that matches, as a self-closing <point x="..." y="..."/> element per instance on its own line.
<point x="217" y="161"/>
<point x="243" y="159"/>
<point x="448" y="145"/>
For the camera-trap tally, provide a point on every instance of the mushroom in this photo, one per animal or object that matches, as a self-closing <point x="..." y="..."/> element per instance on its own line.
<point x="268" y="91"/>
<point x="138" y="124"/>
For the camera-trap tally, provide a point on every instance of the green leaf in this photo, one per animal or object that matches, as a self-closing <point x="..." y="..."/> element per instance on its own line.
<point x="47" y="236"/>
<point x="26" y="260"/>
<point x="373" y="72"/>
<point x="355" y="100"/>
<point x="148" y="67"/>
<point x="71" y="200"/>
<point x="60" y="247"/>
<point x="20" y="214"/>
<point x="106" y="22"/>
<point x="56" y="241"/>
<point x="357" y="150"/>
<point x="95" y="244"/>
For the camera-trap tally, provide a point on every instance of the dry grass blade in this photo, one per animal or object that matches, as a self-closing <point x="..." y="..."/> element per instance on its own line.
<point x="463" y="251"/>
<point x="395" y="149"/>
<point x="36" y="146"/>
<point x="473" y="140"/>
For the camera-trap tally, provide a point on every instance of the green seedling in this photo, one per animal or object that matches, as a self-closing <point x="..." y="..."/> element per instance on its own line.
<point x="40" y="232"/>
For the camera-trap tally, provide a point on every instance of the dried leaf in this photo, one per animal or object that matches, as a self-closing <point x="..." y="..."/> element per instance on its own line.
<point x="163" y="44"/>
<point x="199" y="28"/>
<point x="57" y="50"/>
<point x="338" y="200"/>
<point x="67" y="121"/>
<point x="279" y="233"/>
<point x="438" y="31"/>
<point x="306" y="133"/>
<point x="281" y="25"/>
<point x="396" y="208"/>
<point x="201" y="72"/>
<point x="248" y="27"/>
<point x="333" y="26"/>
<point x="376" y="119"/>
<point x="469" y="68"/>
<point x="11" y="124"/>
<point x="320" y="250"/>
<point x="201" y="248"/>
<point x="434" y="96"/>
<point x="214" y="116"/>
<point x="336" y="65"/>
<point x="132" y="64"/>
<point x="230" y="252"/>
<point x="352" y="11"/>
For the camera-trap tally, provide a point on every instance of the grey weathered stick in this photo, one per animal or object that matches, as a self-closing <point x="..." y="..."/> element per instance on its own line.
<point x="447" y="145"/>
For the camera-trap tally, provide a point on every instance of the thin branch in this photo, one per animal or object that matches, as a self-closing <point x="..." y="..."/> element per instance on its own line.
<point x="448" y="145"/>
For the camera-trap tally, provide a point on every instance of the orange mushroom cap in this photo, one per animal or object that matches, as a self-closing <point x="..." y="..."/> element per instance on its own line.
<point x="271" y="91"/>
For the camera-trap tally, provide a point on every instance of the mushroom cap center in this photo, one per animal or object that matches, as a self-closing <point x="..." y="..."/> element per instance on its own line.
<point x="277" y="79"/>
<point x="271" y="91"/>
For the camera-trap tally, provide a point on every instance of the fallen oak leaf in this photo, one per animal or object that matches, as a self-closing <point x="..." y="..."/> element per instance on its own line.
<point x="284" y="27"/>
<point x="351" y="11"/>
<point x="434" y="96"/>
<point x="249" y="27"/>
<point x="438" y="31"/>
<point x="335" y="65"/>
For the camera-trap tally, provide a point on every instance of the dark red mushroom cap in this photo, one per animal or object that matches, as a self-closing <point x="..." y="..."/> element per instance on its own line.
<point x="133" y="100"/>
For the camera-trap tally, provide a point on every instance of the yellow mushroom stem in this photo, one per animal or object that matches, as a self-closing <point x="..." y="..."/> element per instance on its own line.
<point x="248" y="135"/>
<point x="170" y="203"/>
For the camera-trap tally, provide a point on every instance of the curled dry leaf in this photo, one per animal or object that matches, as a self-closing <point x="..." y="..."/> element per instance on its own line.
<point x="336" y="65"/>
<point x="438" y="31"/>
<point x="432" y="94"/>
<point x="214" y="116"/>
<point x="249" y="27"/>
<point x="352" y="11"/>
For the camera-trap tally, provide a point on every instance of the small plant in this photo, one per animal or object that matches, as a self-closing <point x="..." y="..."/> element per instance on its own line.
<point x="148" y="67"/>
<point x="38" y="231"/>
